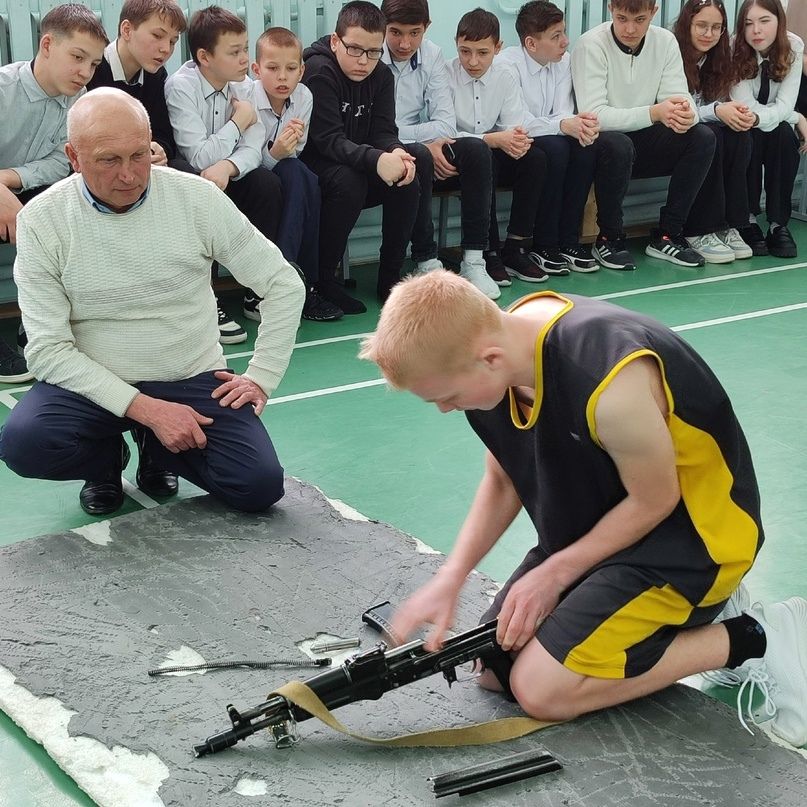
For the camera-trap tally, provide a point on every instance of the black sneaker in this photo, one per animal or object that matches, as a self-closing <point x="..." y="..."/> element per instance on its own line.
<point x="613" y="254"/>
<point x="333" y="292"/>
<point x="578" y="258"/>
<point x="251" y="303"/>
<point x="230" y="332"/>
<point x="13" y="367"/>
<point x="752" y="235"/>
<point x="780" y="243"/>
<point x="517" y="263"/>
<point x="22" y="340"/>
<point x="318" y="309"/>
<point x="550" y="260"/>
<point x="674" y="249"/>
<point x="495" y="268"/>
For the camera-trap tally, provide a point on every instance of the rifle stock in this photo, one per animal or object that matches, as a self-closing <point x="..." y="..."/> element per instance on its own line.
<point x="366" y="676"/>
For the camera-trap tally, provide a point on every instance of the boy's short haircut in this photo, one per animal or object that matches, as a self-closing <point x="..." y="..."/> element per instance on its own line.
<point x="429" y="325"/>
<point x="361" y="14"/>
<point x="72" y="18"/>
<point x="280" y="38"/>
<point x="536" y="17"/>
<point x="138" y="11"/>
<point x="207" y="25"/>
<point x="633" y="6"/>
<point x="477" y="25"/>
<point x="406" y="12"/>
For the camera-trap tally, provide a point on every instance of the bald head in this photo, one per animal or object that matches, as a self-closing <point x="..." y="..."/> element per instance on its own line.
<point x="109" y="144"/>
<point x="104" y="111"/>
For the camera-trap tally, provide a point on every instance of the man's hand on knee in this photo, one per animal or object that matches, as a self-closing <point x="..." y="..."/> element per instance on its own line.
<point x="177" y="426"/>
<point x="9" y="207"/>
<point x="238" y="390"/>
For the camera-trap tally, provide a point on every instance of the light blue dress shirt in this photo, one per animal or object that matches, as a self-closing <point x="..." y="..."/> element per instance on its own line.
<point x="491" y="103"/>
<point x="34" y="128"/>
<point x="201" y="120"/>
<point x="102" y="208"/>
<point x="424" y="109"/>
<point x="546" y="88"/>
<point x="298" y="105"/>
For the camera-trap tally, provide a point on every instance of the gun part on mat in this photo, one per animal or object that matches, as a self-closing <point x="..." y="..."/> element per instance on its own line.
<point x="366" y="676"/>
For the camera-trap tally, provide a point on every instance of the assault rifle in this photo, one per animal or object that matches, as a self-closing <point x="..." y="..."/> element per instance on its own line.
<point x="366" y="676"/>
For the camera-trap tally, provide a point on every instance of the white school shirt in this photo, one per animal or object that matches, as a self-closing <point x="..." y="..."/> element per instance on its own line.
<point x="298" y="105"/>
<point x="424" y="108"/>
<point x="490" y="103"/>
<point x="116" y="66"/>
<point x="783" y="94"/>
<point x="201" y="120"/>
<point x="546" y="88"/>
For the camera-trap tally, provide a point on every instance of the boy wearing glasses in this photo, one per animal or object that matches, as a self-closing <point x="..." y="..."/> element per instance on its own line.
<point x="353" y="147"/>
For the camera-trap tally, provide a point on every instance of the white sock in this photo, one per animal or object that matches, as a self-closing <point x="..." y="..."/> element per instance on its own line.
<point x="472" y="255"/>
<point x="773" y="225"/>
<point x="752" y="219"/>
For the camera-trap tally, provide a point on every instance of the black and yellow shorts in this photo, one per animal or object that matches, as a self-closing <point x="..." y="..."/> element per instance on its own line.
<point x="615" y="623"/>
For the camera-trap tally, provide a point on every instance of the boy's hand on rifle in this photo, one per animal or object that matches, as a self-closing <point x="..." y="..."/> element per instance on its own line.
<point x="434" y="603"/>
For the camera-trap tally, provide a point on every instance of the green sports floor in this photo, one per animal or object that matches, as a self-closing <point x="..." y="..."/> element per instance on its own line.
<point x="396" y="459"/>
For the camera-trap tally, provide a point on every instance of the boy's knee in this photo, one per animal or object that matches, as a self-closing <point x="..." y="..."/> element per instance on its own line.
<point x="539" y="699"/>
<point x="346" y="186"/>
<point x="616" y="146"/>
<point x="702" y="138"/>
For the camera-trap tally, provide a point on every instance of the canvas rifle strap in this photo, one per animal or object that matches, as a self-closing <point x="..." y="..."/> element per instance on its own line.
<point x="494" y="731"/>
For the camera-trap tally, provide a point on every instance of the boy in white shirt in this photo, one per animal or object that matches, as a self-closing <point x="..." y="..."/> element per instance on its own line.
<point x="284" y="108"/>
<point x="216" y="126"/>
<point x="427" y="126"/>
<point x="630" y="74"/>
<point x="488" y="105"/>
<point x="34" y="99"/>
<point x="577" y="152"/>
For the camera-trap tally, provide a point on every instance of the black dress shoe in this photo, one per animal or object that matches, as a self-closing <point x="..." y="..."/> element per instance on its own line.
<point x="752" y="235"/>
<point x="152" y="480"/>
<point x="780" y="243"/>
<point x="104" y="496"/>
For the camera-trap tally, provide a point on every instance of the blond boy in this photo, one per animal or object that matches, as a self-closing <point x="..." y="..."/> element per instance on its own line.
<point x="618" y="440"/>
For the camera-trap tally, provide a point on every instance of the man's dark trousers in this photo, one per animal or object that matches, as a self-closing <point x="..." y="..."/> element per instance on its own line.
<point x="56" y="434"/>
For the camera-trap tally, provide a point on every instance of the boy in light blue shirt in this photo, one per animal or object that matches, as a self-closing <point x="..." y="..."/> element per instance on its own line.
<point x="34" y="99"/>
<point x="424" y="110"/>
<point x="284" y="108"/>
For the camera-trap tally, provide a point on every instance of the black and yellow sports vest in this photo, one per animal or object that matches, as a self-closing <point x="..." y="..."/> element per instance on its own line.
<point x="567" y="482"/>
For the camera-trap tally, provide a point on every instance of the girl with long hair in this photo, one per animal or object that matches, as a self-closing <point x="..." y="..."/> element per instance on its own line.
<point x="767" y="71"/>
<point x="720" y="210"/>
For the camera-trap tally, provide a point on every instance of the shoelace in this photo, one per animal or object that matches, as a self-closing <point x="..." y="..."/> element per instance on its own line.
<point x="758" y="679"/>
<point x="711" y="240"/>
<point x="725" y="677"/>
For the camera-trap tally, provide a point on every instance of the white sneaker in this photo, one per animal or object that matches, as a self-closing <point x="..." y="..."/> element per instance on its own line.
<point x="424" y="267"/>
<point x="781" y="675"/>
<point x="734" y="241"/>
<point x="475" y="273"/>
<point x="712" y="248"/>
<point x="738" y="603"/>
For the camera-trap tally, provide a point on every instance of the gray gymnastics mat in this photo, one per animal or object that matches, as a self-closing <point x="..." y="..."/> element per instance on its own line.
<point x="86" y="613"/>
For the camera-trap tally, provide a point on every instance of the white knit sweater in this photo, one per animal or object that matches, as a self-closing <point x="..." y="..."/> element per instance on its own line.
<point x="109" y="300"/>
<point x="621" y="88"/>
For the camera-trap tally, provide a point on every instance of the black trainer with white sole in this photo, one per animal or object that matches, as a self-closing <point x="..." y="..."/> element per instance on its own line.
<point x="550" y="260"/>
<point x="13" y="367"/>
<point x="230" y="332"/>
<point x="518" y="263"/>
<point x="674" y="249"/>
<point x="578" y="258"/>
<point x="613" y="254"/>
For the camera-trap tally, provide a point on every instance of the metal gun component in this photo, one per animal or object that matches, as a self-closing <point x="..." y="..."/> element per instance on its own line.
<point x="336" y="644"/>
<point x="501" y="771"/>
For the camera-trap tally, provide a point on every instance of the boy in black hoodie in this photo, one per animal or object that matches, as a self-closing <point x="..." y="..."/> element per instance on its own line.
<point x="353" y="147"/>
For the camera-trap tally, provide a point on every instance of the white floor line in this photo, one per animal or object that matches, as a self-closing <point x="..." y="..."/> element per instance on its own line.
<point x="766" y="312"/>
<point x="313" y="343"/>
<point x="135" y="493"/>
<point x="699" y="282"/>
<point x="8" y="399"/>
<point x="316" y="393"/>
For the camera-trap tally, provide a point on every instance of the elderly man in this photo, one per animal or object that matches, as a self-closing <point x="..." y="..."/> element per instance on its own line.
<point x="113" y="268"/>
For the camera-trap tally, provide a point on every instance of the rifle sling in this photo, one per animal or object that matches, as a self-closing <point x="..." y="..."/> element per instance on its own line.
<point x="493" y="731"/>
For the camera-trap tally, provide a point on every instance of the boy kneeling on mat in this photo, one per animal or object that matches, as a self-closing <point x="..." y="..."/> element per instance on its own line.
<point x="624" y="449"/>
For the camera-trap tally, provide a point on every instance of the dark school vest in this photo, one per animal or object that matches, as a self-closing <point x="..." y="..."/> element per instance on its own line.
<point x="567" y="482"/>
